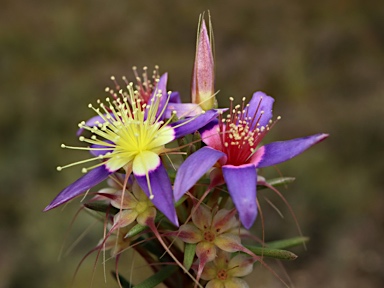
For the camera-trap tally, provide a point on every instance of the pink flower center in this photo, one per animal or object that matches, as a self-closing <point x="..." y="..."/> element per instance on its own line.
<point x="241" y="133"/>
<point x="144" y="84"/>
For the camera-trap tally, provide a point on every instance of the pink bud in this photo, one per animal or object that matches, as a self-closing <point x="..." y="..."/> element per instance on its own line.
<point x="203" y="72"/>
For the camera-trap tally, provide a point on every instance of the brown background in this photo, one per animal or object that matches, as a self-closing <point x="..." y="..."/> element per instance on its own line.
<point x="321" y="60"/>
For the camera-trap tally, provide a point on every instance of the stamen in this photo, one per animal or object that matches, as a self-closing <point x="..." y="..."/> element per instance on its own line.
<point x="241" y="132"/>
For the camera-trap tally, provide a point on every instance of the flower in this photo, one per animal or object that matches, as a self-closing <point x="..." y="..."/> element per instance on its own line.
<point x="233" y="149"/>
<point x="132" y="136"/>
<point x="133" y="203"/>
<point x="147" y="89"/>
<point x="116" y="242"/>
<point x="224" y="271"/>
<point x="203" y="78"/>
<point x="210" y="230"/>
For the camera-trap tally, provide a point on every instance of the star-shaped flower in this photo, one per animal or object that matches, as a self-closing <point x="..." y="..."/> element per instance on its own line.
<point x="224" y="271"/>
<point x="233" y="149"/>
<point x="132" y="136"/>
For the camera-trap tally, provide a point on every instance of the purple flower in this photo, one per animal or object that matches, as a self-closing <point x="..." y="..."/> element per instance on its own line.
<point x="131" y="136"/>
<point x="233" y="149"/>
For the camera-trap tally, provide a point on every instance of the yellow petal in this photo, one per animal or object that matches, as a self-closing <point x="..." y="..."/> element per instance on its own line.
<point x="145" y="162"/>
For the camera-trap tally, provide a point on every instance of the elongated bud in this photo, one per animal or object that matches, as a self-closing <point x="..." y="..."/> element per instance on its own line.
<point x="203" y="72"/>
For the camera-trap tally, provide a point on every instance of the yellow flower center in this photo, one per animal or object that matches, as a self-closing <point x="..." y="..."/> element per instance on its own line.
<point x="130" y="132"/>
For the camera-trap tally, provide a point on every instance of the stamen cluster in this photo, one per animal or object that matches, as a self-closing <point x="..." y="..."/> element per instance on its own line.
<point x="241" y="132"/>
<point x="126" y="127"/>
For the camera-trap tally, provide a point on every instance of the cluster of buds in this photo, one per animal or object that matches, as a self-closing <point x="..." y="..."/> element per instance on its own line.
<point x="192" y="209"/>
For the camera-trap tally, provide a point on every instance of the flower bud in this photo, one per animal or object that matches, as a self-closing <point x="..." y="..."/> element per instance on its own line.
<point x="203" y="72"/>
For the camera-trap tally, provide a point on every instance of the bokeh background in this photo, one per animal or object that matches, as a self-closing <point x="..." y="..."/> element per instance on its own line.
<point x="323" y="61"/>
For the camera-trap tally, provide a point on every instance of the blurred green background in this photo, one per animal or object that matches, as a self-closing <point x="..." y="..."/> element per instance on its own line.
<point x="323" y="61"/>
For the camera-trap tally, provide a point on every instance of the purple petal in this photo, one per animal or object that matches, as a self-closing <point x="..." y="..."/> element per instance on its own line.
<point x="277" y="152"/>
<point x="160" y="87"/>
<point x="185" y="127"/>
<point x="89" y="180"/>
<point x="175" y="97"/>
<point x="193" y="168"/>
<point x="161" y="190"/>
<point x="263" y="108"/>
<point x="241" y="182"/>
<point x="182" y="110"/>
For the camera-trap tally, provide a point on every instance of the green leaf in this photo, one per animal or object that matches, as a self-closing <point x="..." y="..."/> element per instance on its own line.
<point x="138" y="228"/>
<point x="124" y="283"/>
<point x="101" y="207"/>
<point x="275" y="249"/>
<point x="277" y="182"/>
<point x="189" y="255"/>
<point x="287" y="243"/>
<point x="158" y="278"/>
<point x="272" y="253"/>
<point x="135" y="230"/>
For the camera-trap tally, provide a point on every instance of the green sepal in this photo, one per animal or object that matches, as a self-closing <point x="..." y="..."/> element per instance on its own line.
<point x="158" y="278"/>
<point x="189" y="255"/>
<point x="124" y="283"/>
<point x="277" y="182"/>
<point x="101" y="207"/>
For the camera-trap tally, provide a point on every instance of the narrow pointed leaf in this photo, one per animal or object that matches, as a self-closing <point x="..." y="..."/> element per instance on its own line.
<point x="102" y="207"/>
<point x="124" y="282"/>
<point x="158" y="278"/>
<point x="189" y="255"/>
<point x="138" y="228"/>
<point x="287" y="243"/>
<point x="276" y="182"/>
<point x="272" y="253"/>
